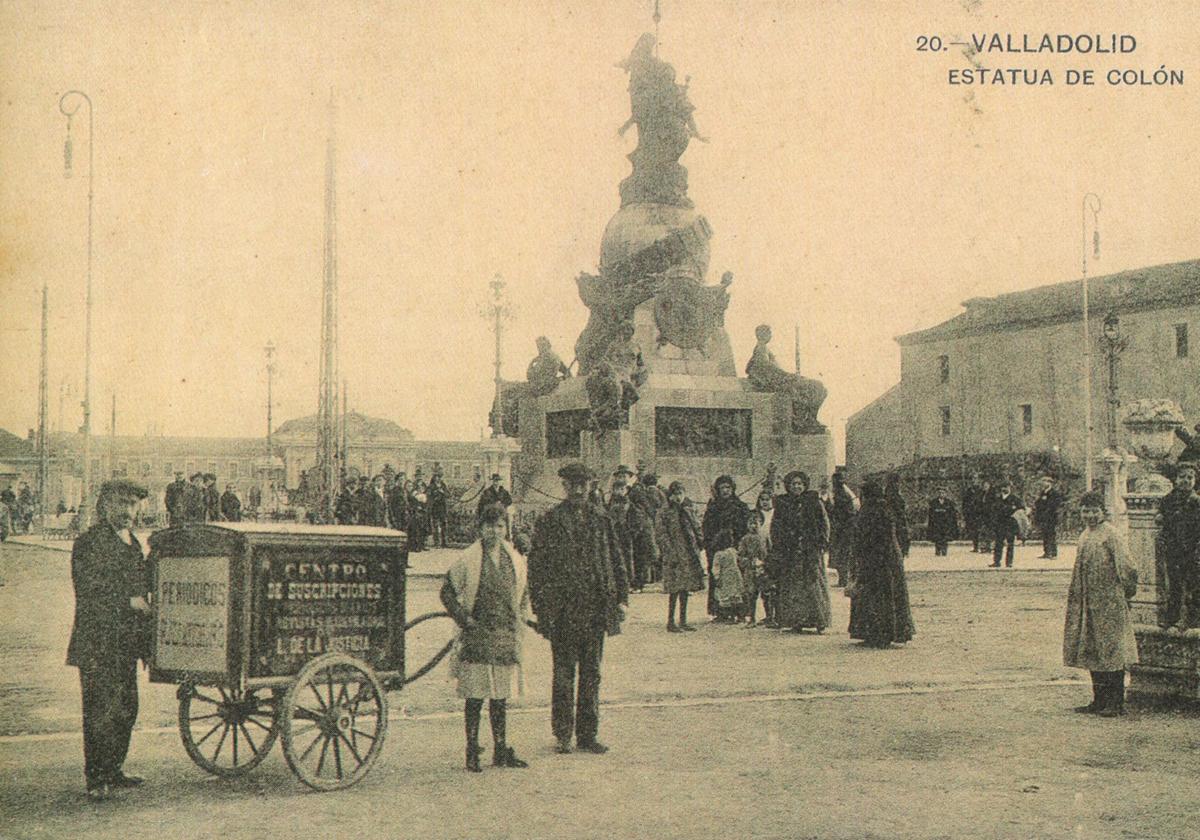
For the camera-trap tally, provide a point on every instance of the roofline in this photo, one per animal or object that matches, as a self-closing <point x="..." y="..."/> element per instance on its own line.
<point x="922" y="336"/>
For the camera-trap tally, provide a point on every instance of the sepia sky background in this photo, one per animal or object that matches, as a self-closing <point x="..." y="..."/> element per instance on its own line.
<point x="851" y="189"/>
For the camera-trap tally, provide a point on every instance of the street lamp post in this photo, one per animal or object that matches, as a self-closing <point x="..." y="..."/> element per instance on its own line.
<point x="498" y="312"/>
<point x="1114" y="345"/>
<point x="79" y="98"/>
<point x="1091" y="201"/>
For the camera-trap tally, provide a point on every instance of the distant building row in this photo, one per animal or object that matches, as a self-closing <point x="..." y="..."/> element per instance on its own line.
<point x="1004" y="378"/>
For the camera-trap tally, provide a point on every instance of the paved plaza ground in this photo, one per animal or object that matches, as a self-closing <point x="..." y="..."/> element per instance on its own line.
<point x="965" y="732"/>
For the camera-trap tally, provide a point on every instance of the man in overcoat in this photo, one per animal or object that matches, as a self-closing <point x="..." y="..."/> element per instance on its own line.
<point x="577" y="583"/>
<point x="1004" y="525"/>
<point x="174" y="500"/>
<point x="109" y="635"/>
<point x="1178" y="549"/>
<point x="1045" y="516"/>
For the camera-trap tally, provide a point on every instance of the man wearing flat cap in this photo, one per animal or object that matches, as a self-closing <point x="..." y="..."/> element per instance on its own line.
<point x="112" y="616"/>
<point x="577" y="583"/>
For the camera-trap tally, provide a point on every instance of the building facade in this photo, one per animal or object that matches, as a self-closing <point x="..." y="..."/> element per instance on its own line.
<point x="1005" y="377"/>
<point x="371" y="445"/>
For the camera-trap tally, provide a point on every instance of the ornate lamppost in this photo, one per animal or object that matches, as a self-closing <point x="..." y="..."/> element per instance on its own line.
<point x="1091" y="201"/>
<point x="69" y="103"/>
<point x="1114" y="345"/>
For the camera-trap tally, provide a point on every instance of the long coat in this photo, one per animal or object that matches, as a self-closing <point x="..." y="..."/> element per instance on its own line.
<point x="799" y="536"/>
<point x="943" y="520"/>
<point x="722" y="516"/>
<point x="576" y="575"/>
<point x="678" y="537"/>
<point x="1098" y="633"/>
<point x="842" y="510"/>
<point x="879" y="610"/>
<point x="106" y="574"/>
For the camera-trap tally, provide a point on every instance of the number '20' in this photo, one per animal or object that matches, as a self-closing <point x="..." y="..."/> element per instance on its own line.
<point x="929" y="43"/>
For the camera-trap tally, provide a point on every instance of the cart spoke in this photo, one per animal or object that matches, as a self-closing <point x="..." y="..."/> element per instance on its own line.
<point x="317" y="694"/>
<point x="329" y="684"/>
<point x="350" y="746"/>
<point x="246" y="735"/>
<point x="321" y="760"/>
<point x="235" y="740"/>
<point x="337" y="757"/>
<point x="220" y="743"/>
<point x="194" y="718"/>
<point x="210" y="732"/>
<point x="312" y="744"/>
<point x="198" y="696"/>
<point x="361" y="734"/>
<point x="258" y="723"/>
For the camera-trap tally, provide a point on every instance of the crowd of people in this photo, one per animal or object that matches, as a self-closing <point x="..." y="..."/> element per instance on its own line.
<point x="392" y="500"/>
<point x="17" y="510"/>
<point x="197" y="500"/>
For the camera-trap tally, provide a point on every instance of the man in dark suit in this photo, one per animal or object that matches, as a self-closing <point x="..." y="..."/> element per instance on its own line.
<point x="1004" y="526"/>
<point x="231" y="505"/>
<point x="374" y="508"/>
<point x="1045" y="516"/>
<point x="494" y="494"/>
<point x="109" y="634"/>
<point x="577" y="583"/>
<point x="195" y="500"/>
<point x="174" y="500"/>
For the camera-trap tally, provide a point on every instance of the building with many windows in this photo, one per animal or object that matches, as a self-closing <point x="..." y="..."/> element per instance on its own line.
<point x="1005" y="377"/>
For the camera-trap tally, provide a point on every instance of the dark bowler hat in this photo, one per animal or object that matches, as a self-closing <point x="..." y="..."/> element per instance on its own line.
<point x="622" y="470"/>
<point x="576" y="471"/>
<point x="495" y="476"/>
<point x="123" y="488"/>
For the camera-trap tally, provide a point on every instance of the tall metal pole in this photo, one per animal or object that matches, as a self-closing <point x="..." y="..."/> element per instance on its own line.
<point x="1091" y="201"/>
<point x="112" y="448"/>
<point x="84" y="505"/>
<point x="43" y="412"/>
<point x="270" y="351"/>
<point x="797" y="348"/>
<point x="345" y="458"/>
<point x="327" y="402"/>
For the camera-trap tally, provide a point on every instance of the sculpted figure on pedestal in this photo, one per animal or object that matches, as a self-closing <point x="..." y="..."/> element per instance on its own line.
<point x="765" y="374"/>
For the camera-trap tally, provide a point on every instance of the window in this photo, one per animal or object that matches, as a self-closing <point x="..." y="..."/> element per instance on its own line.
<point x="1181" y="341"/>
<point x="945" y="412"/>
<point x="212" y="467"/>
<point x="146" y="468"/>
<point x="168" y="469"/>
<point x="1026" y="419"/>
<point x="233" y="469"/>
<point x="943" y="369"/>
<point x="456" y="471"/>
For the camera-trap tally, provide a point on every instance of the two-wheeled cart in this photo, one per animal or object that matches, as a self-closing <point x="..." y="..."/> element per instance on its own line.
<point x="282" y="631"/>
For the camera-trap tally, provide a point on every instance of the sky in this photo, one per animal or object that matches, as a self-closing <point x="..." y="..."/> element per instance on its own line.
<point x="851" y="189"/>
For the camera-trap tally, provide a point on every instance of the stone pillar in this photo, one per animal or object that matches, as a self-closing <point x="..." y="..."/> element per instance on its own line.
<point x="603" y="454"/>
<point x="1114" y="469"/>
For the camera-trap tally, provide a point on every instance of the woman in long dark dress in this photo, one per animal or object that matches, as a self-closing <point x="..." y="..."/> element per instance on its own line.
<point x="879" y="608"/>
<point x="799" y="537"/>
<point x="726" y="514"/>
<point x="899" y="512"/>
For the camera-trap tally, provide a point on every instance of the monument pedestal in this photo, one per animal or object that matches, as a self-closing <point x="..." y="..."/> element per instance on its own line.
<point x="684" y="427"/>
<point x="1168" y="668"/>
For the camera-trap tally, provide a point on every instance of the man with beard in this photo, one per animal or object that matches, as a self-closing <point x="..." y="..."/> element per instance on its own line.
<point x="726" y="514"/>
<point x="1177" y="546"/>
<point x="576" y="584"/>
<point x="110" y="633"/>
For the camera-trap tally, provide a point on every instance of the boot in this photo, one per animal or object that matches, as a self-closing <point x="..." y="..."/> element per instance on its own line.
<point x="1114" y="703"/>
<point x="471" y="715"/>
<point x="504" y="755"/>
<point x="1097" y="696"/>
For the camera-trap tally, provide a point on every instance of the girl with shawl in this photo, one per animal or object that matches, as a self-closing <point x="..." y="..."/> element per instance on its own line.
<point x="726" y="514"/>
<point x="485" y="591"/>
<point x="1098" y="634"/>
<point x="799" y="536"/>
<point x="678" y="536"/>
<point x="879" y="608"/>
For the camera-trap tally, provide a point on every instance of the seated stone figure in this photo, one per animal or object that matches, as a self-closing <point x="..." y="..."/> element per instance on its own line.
<point x="546" y="370"/>
<point x="765" y="374"/>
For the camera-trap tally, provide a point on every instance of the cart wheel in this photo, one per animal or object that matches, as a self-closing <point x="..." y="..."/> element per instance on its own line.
<point x="333" y="719"/>
<point x="226" y="731"/>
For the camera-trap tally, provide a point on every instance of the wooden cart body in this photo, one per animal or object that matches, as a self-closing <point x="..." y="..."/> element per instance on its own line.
<point x="282" y="630"/>
<point x="247" y="605"/>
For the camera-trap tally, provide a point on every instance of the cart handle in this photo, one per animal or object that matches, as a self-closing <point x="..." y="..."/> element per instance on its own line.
<point x="432" y="663"/>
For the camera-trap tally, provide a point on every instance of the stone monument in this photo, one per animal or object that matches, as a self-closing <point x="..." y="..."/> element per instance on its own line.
<point x="655" y="379"/>
<point x="1168" y="668"/>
